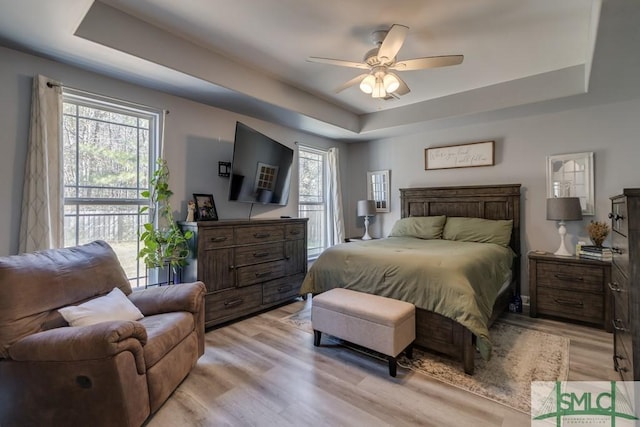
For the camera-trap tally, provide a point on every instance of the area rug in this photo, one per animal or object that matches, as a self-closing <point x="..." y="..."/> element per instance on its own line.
<point x="519" y="356"/>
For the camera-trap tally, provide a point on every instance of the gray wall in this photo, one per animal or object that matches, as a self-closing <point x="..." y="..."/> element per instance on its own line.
<point x="197" y="137"/>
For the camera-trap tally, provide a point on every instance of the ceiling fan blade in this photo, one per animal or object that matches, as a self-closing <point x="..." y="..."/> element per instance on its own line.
<point x="428" y="62"/>
<point x="354" y="81"/>
<point x="403" y="89"/>
<point x="338" y="62"/>
<point x="392" y="43"/>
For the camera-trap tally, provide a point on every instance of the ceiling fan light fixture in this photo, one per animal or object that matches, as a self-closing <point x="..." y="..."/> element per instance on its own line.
<point x="378" y="89"/>
<point x="391" y="83"/>
<point x="367" y="84"/>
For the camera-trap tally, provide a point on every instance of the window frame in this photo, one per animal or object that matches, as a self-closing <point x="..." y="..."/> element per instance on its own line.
<point x="314" y="252"/>
<point x="155" y="119"/>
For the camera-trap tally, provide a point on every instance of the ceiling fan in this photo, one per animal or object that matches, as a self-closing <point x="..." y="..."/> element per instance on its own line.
<point x="380" y="80"/>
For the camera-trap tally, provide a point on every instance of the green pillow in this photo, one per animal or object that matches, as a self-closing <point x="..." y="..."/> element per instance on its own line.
<point x="422" y="227"/>
<point x="478" y="230"/>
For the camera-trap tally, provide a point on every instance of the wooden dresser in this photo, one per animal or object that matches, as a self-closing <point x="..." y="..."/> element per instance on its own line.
<point x="246" y="265"/>
<point x="625" y="283"/>
<point x="570" y="288"/>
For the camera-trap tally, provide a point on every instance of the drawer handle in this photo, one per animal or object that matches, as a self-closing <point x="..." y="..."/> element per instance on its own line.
<point x="218" y="239"/>
<point x="260" y="254"/>
<point x="295" y="232"/>
<point x="233" y="302"/>
<point x="261" y="235"/>
<point x="561" y="276"/>
<point x="615" y="216"/>
<point x="284" y="288"/>
<point x="614" y="287"/>
<point x="616" y="250"/>
<point x="263" y="274"/>
<point x="617" y="325"/>
<point x="616" y="365"/>
<point x="231" y="267"/>
<point x="568" y="302"/>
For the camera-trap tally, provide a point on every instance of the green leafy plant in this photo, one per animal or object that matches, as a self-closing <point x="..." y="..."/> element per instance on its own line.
<point x="163" y="243"/>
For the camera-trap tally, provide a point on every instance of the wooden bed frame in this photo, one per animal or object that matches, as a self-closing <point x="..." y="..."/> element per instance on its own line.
<point x="433" y="331"/>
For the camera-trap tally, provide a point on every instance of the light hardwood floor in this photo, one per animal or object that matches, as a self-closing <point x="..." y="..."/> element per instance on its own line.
<point x="263" y="372"/>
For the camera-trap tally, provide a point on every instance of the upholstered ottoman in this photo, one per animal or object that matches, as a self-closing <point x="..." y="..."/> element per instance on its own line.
<point x="385" y="325"/>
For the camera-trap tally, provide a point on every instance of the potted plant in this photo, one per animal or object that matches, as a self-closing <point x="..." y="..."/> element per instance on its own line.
<point x="164" y="245"/>
<point x="598" y="232"/>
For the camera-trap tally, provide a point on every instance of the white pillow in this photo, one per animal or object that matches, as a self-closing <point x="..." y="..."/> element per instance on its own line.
<point x="113" y="306"/>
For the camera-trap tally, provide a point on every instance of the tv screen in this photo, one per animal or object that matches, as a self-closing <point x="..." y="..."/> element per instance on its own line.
<point x="260" y="169"/>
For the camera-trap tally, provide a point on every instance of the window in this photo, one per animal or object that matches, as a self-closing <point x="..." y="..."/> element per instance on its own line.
<point x="312" y="199"/>
<point x="107" y="154"/>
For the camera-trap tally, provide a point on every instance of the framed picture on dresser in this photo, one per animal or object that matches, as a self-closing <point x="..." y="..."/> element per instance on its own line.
<point x="205" y="207"/>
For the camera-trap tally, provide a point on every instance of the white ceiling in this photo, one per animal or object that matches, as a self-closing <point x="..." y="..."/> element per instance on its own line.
<point x="250" y="56"/>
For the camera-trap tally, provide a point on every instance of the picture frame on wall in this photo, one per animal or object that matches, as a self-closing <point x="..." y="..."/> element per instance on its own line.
<point x="205" y="207"/>
<point x="469" y="155"/>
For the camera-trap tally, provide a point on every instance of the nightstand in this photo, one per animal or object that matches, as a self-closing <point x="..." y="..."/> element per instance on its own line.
<point x="570" y="288"/>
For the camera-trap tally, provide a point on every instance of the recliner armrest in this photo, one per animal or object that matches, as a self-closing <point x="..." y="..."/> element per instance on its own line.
<point x="83" y="343"/>
<point x="165" y="299"/>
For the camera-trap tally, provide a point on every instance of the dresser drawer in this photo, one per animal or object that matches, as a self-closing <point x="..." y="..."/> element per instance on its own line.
<point x="248" y="255"/>
<point x="259" y="234"/>
<point x="217" y="237"/>
<point x="281" y="289"/>
<point x="257" y="273"/>
<point x="294" y="231"/>
<point x="620" y="248"/>
<point x="229" y="303"/>
<point x="570" y="304"/>
<point x="618" y="215"/>
<point x="571" y="277"/>
<point x="620" y="318"/>
<point x="623" y="364"/>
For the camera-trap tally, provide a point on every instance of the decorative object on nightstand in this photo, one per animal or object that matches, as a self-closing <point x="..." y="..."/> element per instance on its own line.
<point x="570" y="288"/>
<point x="366" y="208"/>
<point x="598" y="232"/>
<point x="563" y="209"/>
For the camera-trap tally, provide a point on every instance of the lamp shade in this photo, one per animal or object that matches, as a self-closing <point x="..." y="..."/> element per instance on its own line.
<point x="564" y="209"/>
<point x="366" y="207"/>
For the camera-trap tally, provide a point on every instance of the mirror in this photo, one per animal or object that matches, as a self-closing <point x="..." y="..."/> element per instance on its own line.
<point x="571" y="175"/>
<point x="378" y="189"/>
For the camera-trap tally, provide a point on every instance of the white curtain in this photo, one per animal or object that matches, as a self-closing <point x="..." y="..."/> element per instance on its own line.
<point x="41" y="221"/>
<point x="334" y="206"/>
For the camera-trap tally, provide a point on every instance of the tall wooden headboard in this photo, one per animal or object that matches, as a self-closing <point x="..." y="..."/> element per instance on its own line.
<point x="478" y="201"/>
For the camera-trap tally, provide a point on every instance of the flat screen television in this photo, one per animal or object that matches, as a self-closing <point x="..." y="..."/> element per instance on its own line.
<point x="260" y="169"/>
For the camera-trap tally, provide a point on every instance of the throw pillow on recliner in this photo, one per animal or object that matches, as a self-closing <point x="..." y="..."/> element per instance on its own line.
<point x="113" y="306"/>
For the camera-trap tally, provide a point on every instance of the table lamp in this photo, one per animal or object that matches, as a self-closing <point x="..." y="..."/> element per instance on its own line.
<point x="366" y="208"/>
<point x="563" y="209"/>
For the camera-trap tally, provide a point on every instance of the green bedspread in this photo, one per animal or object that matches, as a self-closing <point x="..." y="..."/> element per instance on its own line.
<point x="459" y="280"/>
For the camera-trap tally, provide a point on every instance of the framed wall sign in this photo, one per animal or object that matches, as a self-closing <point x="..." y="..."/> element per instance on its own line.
<point x="378" y="189"/>
<point x="460" y="156"/>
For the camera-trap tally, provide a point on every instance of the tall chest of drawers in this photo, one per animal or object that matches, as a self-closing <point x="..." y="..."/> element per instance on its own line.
<point x="246" y="265"/>
<point x="625" y="282"/>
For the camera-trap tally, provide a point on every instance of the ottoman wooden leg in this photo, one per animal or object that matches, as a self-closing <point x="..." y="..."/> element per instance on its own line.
<point x="393" y="366"/>
<point x="316" y="337"/>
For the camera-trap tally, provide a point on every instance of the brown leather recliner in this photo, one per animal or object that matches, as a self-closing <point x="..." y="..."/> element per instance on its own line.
<point x="112" y="373"/>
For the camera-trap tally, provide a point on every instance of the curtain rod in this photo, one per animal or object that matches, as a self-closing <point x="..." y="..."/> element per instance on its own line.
<point x="52" y="84"/>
